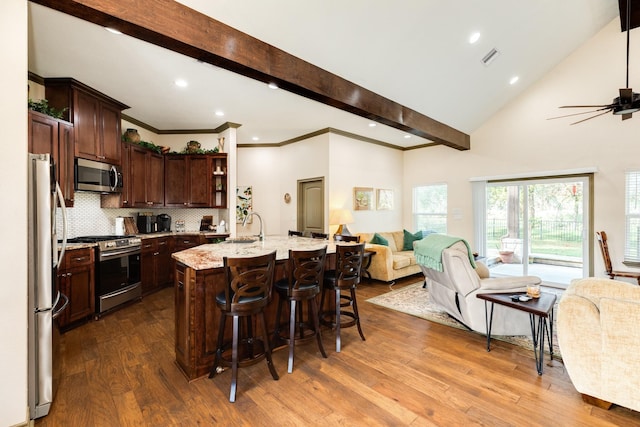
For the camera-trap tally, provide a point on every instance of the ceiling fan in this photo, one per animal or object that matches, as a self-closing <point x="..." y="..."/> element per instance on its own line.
<point x="624" y="105"/>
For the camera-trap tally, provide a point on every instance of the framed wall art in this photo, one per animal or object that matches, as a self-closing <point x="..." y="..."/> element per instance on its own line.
<point x="385" y="199"/>
<point x="244" y="203"/>
<point x="363" y="199"/>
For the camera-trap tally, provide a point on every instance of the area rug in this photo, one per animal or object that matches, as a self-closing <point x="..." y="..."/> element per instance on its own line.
<point x="415" y="300"/>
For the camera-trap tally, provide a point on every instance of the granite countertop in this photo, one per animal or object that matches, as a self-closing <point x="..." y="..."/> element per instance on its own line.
<point x="209" y="256"/>
<point x="72" y="246"/>
<point x="206" y="234"/>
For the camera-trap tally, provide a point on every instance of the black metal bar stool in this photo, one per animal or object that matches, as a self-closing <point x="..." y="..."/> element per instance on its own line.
<point x="305" y="273"/>
<point x="248" y="291"/>
<point x="345" y="277"/>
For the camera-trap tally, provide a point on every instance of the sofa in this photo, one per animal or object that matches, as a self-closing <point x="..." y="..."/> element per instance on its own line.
<point x="454" y="285"/>
<point x="599" y="340"/>
<point x="390" y="261"/>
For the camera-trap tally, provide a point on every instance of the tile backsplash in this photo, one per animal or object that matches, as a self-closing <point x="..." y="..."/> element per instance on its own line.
<point x="87" y="218"/>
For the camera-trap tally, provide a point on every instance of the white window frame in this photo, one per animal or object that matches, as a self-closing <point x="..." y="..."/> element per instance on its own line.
<point x="441" y="215"/>
<point x="632" y="216"/>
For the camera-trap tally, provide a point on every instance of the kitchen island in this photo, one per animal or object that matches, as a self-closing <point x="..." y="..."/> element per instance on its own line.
<point x="200" y="277"/>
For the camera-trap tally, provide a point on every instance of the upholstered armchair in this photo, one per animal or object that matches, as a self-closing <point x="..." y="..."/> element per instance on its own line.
<point x="455" y="289"/>
<point x="599" y="339"/>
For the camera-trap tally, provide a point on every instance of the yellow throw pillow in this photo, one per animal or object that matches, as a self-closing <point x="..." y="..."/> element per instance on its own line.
<point x="482" y="270"/>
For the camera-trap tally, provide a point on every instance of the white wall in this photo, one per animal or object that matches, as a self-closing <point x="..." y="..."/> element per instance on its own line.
<point x="260" y="168"/>
<point x="13" y="251"/>
<point x="354" y="163"/>
<point x="519" y="139"/>
<point x="302" y="160"/>
<point x="344" y="162"/>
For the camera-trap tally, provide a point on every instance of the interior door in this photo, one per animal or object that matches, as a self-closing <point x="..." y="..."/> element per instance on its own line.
<point x="311" y="205"/>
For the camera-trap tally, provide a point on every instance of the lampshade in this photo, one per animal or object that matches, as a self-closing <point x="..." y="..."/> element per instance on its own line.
<point x="340" y="216"/>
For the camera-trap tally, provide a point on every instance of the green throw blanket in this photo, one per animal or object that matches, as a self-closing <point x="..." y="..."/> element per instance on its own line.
<point x="428" y="251"/>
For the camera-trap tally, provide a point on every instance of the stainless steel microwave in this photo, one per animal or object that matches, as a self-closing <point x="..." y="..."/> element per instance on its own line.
<point x="98" y="177"/>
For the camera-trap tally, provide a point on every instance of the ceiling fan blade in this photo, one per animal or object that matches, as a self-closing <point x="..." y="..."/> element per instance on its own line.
<point x="587" y="106"/>
<point x="626" y="96"/>
<point x="577" y="114"/>
<point x="589" y="118"/>
<point x="626" y="116"/>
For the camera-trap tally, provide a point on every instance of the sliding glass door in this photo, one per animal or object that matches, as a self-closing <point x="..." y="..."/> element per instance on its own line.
<point x="538" y="227"/>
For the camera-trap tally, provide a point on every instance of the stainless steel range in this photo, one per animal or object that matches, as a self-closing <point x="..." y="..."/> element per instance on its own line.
<point x="117" y="278"/>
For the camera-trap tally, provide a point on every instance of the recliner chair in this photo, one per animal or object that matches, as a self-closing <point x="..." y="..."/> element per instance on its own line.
<point x="455" y="289"/>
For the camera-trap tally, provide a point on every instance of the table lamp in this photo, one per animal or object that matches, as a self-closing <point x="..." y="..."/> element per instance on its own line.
<point x="341" y="217"/>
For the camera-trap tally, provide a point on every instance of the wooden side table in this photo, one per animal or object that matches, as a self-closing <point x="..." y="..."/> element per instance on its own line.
<point x="540" y="312"/>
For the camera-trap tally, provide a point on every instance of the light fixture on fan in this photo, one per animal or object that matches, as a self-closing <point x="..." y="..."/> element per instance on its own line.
<point x="624" y="105"/>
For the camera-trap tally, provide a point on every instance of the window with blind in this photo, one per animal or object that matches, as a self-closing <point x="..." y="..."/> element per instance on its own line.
<point x="632" y="217"/>
<point x="430" y="208"/>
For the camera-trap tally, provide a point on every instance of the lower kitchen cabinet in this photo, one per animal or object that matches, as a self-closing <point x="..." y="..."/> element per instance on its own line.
<point x="156" y="267"/>
<point x="76" y="278"/>
<point x="188" y="241"/>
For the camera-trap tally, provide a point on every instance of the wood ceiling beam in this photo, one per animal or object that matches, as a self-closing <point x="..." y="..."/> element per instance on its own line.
<point x="174" y="26"/>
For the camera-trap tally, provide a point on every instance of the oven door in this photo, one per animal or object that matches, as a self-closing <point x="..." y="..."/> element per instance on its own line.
<point x="117" y="270"/>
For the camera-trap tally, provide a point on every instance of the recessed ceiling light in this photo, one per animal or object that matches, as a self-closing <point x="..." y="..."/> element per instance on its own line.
<point x="407" y="136"/>
<point x="474" y="38"/>
<point x="273" y="85"/>
<point x="255" y="138"/>
<point x="112" y="30"/>
<point x="514" y="80"/>
<point x="219" y="113"/>
<point x="181" y="83"/>
<point x="372" y="125"/>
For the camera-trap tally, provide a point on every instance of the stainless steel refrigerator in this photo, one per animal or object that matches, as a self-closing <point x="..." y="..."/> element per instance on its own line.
<point x="45" y="301"/>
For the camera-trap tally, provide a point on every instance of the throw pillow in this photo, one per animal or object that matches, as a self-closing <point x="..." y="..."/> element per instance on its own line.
<point x="482" y="270"/>
<point x="379" y="240"/>
<point x="407" y="244"/>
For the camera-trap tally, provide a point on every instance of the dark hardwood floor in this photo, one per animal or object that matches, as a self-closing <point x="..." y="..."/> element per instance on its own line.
<point x="120" y="371"/>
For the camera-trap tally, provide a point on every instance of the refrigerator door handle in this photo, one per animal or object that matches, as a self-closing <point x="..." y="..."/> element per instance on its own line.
<point x="59" y="311"/>
<point x="63" y="208"/>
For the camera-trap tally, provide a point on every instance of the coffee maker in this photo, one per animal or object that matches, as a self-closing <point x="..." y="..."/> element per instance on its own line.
<point x="164" y="222"/>
<point x="147" y="223"/>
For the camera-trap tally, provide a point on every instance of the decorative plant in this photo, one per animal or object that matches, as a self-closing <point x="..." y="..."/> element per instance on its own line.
<point x="151" y="146"/>
<point x="43" y="107"/>
<point x="193" y="147"/>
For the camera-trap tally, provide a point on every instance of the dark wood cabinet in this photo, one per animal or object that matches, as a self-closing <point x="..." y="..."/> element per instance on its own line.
<point x="96" y="118"/>
<point x="188" y="241"/>
<point x="122" y="199"/>
<point x="53" y="136"/>
<point x="220" y="183"/>
<point x="76" y="276"/>
<point x="146" y="177"/>
<point x="156" y="264"/>
<point x="188" y="181"/>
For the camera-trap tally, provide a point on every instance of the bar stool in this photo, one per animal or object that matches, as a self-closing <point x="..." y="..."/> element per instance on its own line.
<point x="305" y="273"/>
<point x="345" y="238"/>
<point x="345" y="277"/>
<point x="247" y="293"/>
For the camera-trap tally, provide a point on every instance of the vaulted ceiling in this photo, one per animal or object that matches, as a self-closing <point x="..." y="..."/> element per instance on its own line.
<point x="415" y="53"/>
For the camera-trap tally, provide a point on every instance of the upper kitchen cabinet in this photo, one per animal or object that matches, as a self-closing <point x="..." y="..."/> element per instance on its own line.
<point x="220" y="183"/>
<point x="95" y="116"/>
<point x="188" y="181"/>
<point x="53" y="136"/>
<point x="146" y="177"/>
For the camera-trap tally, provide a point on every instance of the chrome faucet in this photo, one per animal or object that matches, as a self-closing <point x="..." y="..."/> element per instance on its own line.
<point x="244" y="222"/>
